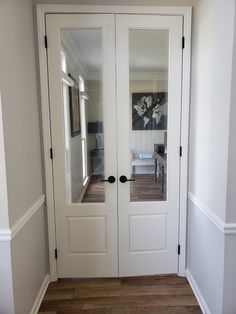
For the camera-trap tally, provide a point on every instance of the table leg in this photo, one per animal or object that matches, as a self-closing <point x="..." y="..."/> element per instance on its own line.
<point x="162" y="179"/>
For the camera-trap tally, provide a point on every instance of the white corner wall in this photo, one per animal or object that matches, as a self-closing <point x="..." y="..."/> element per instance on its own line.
<point x="213" y="26"/>
<point x="231" y="184"/>
<point x="211" y="237"/>
<point x="23" y="249"/>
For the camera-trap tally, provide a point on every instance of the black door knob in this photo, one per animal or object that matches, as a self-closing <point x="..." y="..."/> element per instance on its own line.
<point x="124" y="179"/>
<point x="110" y="179"/>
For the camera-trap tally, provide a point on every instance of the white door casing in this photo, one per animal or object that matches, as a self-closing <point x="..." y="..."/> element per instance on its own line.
<point x="86" y="233"/>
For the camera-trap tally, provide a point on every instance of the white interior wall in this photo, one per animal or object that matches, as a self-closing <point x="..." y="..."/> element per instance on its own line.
<point x="231" y="184"/>
<point x="19" y="97"/>
<point x="210" y="102"/>
<point x="229" y="302"/>
<point x="119" y="2"/>
<point x="210" y="250"/>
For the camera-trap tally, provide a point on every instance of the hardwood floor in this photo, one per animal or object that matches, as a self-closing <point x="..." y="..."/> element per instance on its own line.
<point x="144" y="188"/>
<point x="95" y="192"/>
<point x="168" y="294"/>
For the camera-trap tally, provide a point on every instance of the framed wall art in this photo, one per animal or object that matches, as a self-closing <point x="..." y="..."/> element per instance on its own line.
<point x="74" y="103"/>
<point x="149" y="111"/>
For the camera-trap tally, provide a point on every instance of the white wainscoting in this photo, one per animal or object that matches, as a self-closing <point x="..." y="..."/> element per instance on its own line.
<point x="22" y="240"/>
<point x="207" y="238"/>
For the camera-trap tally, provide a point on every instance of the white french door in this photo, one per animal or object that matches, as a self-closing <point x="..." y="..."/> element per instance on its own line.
<point x="130" y="69"/>
<point x="86" y="232"/>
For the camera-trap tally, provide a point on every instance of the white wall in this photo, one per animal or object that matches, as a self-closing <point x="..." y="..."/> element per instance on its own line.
<point x="19" y="97"/>
<point x="211" y="254"/>
<point x="120" y="2"/>
<point x="231" y="184"/>
<point x="213" y="24"/>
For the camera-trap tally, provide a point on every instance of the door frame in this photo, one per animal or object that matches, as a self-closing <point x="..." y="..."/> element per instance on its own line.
<point x="186" y="13"/>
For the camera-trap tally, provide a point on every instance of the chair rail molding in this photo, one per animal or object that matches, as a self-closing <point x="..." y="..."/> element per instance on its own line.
<point x="6" y="235"/>
<point x="226" y="228"/>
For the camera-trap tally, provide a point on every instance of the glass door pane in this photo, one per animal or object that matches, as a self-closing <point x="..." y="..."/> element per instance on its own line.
<point x="148" y="84"/>
<point x="83" y="113"/>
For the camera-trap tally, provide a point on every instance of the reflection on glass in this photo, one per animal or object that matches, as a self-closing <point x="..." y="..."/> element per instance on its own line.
<point x="81" y="53"/>
<point x="148" y="72"/>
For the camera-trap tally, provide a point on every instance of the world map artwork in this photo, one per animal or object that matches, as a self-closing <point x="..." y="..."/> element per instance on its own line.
<point x="149" y="111"/>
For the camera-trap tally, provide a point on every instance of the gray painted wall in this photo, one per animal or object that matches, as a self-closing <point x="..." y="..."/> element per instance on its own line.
<point x="26" y="255"/>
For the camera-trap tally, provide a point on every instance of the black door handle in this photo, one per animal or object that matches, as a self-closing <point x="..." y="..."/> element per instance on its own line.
<point x="110" y="179"/>
<point x="124" y="179"/>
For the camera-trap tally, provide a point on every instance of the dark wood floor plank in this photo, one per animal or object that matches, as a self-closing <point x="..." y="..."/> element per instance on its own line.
<point x="166" y="294"/>
<point x="154" y="280"/>
<point x="132" y="291"/>
<point x="88" y="282"/>
<point x="48" y="312"/>
<point x="59" y="294"/>
<point x="141" y="301"/>
<point x="153" y="310"/>
<point x="54" y="305"/>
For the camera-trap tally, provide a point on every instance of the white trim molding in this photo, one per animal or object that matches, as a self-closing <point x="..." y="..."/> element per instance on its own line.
<point x="26" y="217"/>
<point x="40" y="295"/>
<point x="226" y="228"/>
<point x="5" y="235"/>
<point x="197" y="293"/>
<point x="9" y="234"/>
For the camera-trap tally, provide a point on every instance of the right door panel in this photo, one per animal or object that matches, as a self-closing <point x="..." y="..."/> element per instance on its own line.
<point x="149" y="62"/>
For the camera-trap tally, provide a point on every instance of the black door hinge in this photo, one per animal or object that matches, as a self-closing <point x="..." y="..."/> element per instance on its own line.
<point x="51" y="153"/>
<point x="178" y="249"/>
<point x="180" y="151"/>
<point x="46" y="41"/>
<point x="55" y="253"/>
<point x="183" y="42"/>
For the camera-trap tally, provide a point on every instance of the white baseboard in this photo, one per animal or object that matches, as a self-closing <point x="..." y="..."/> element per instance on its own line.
<point x="40" y="295"/>
<point x="197" y="293"/>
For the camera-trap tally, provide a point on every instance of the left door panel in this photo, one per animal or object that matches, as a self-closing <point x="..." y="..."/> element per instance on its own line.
<point x="81" y="52"/>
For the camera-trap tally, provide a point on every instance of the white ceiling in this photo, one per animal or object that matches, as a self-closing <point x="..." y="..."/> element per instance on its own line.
<point x="148" y="49"/>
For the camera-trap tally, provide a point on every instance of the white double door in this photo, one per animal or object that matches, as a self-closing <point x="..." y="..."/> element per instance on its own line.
<point x="116" y="114"/>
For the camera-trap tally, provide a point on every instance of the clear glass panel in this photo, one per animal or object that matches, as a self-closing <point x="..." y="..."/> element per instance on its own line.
<point x="148" y="72"/>
<point x="81" y="53"/>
